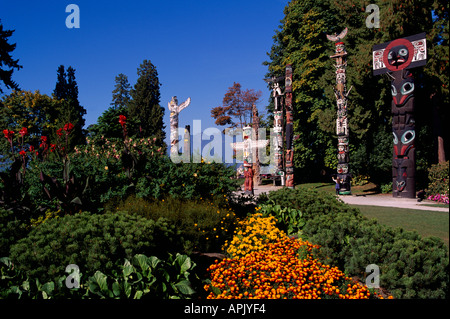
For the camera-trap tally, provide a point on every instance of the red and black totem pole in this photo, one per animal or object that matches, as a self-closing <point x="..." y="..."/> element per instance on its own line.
<point x="289" y="128"/>
<point x="397" y="57"/>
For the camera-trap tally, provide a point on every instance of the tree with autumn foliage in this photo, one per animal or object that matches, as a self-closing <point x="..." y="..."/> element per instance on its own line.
<point x="236" y="109"/>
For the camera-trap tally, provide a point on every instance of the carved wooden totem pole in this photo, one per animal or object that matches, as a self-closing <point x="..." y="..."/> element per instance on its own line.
<point x="289" y="129"/>
<point x="175" y="109"/>
<point x="277" y="138"/>
<point x="397" y="57"/>
<point x="256" y="166"/>
<point x="187" y="141"/>
<point x="341" y="94"/>
<point x="249" y="147"/>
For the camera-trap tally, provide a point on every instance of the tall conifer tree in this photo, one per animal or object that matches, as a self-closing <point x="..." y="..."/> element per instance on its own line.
<point x="66" y="89"/>
<point x="146" y="114"/>
<point x="7" y="63"/>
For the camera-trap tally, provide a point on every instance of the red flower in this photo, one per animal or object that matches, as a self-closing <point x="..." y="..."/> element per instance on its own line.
<point x="23" y="153"/>
<point x="59" y="132"/>
<point x="68" y="127"/>
<point x="31" y="148"/>
<point x="53" y="146"/>
<point x="122" y="120"/>
<point x="44" y="139"/>
<point x="23" y="131"/>
<point x="8" y="134"/>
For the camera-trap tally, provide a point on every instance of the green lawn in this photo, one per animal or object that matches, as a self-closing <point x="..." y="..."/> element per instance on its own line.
<point x="425" y="222"/>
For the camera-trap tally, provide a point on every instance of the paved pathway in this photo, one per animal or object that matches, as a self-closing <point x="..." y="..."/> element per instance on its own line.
<point x="386" y="200"/>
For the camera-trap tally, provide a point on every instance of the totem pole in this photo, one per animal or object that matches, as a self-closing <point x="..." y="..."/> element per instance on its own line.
<point x="277" y="141"/>
<point x="256" y="166"/>
<point x="175" y="109"/>
<point x="187" y="141"/>
<point x="341" y="94"/>
<point x="289" y="129"/>
<point x="397" y="57"/>
<point x="249" y="147"/>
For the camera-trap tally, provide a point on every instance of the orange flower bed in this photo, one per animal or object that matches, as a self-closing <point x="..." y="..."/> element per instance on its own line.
<point x="279" y="269"/>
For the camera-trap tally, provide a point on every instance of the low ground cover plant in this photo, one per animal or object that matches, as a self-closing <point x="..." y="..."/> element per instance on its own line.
<point x="138" y="278"/>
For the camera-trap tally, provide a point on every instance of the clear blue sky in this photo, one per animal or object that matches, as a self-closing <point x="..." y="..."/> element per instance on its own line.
<point x="198" y="47"/>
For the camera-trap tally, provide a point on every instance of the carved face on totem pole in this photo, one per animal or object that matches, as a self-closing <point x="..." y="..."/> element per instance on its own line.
<point x="340" y="47"/>
<point x="403" y="130"/>
<point x="398" y="55"/>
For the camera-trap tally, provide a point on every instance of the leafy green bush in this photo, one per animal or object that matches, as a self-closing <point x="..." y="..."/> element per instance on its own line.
<point x="12" y="228"/>
<point x="203" y="225"/>
<point x="386" y="188"/>
<point x="143" y="277"/>
<point x="111" y="168"/>
<point x="410" y="266"/>
<point x="438" y="179"/>
<point x="288" y="219"/>
<point x="146" y="277"/>
<point x="91" y="241"/>
<point x="311" y="202"/>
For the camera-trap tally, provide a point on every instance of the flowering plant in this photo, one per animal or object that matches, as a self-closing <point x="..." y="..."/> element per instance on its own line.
<point x="273" y="268"/>
<point x="439" y="198"/>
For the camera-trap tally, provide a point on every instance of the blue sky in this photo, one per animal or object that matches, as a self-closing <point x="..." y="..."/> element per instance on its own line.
<point x="198" y="47"/>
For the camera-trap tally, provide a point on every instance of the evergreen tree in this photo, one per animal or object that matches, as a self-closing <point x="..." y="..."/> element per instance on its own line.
<point x="61" y="83"/>
<point x="145" y="113"/>
<point x="121" y="92"/>
<point x="7" y="63"/>
<point x="108" y="123"/>
<point x="66" y="89"/>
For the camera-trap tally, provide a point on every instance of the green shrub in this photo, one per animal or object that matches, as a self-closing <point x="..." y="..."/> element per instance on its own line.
<point x="203" y="225"/>
<point x="410" y="266"/>
<point x="185" y="180"/>
<point x="386" y="188"/>
<point x="438" y="179"/>
<point x="311" y="202"/>
<point x="288" y="219"/>
<point x="12" y="228"/>
<point x="91" y="241"/>
<point x="142" y="277"/>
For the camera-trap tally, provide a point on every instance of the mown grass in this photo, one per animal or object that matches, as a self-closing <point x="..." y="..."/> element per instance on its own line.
<point x="425" y="222"/>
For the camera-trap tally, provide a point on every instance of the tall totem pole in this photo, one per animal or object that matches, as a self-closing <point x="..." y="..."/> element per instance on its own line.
<point x="397" y="57"/>
<point x="278" y="128"/>
<point x="285" y="172"/>
<point x="249" y="147"/>
<point x="341" y="94"/>
<point x="289" y="128"/>
<point x="175" y="109"/>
